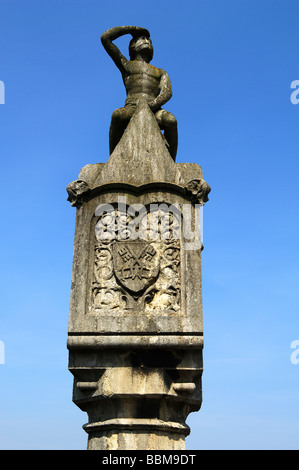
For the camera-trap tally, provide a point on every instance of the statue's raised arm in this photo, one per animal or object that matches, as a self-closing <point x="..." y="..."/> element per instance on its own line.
<point x="114" y="33"/>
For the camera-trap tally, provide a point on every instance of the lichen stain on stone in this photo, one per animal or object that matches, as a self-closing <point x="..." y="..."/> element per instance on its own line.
<point x="112" y="442"/>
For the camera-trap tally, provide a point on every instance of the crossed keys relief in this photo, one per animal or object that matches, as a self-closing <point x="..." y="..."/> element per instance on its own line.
<point x="136" y="264"/>
<point x="136" y="275"/>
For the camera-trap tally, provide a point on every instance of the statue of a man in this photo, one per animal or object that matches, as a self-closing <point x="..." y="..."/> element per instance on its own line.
<point x="141" y="80"/>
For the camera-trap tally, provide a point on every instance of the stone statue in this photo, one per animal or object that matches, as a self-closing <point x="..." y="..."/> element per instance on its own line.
<point x="142" y="81"/>
<point x="135" y="334"/>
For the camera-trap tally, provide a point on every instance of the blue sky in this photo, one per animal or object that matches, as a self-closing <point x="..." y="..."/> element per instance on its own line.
<point x="231" y="63"/>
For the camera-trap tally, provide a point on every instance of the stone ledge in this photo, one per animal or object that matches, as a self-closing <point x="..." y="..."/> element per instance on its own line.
<point x="132" y="341"/>
<point x="137" y="424"/>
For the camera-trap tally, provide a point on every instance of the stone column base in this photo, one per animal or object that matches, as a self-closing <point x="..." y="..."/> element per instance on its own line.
<point x="141" y="434"/>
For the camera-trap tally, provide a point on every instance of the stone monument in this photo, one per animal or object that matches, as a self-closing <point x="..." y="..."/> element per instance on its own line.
<point x="135" y="334"/>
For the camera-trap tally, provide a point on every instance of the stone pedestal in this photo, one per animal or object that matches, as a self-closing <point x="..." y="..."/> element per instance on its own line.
<point x="135" y="333"/>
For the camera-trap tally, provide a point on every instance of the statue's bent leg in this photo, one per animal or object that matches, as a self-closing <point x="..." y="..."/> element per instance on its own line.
<point x="168" y="123"/>
<point x="119" y="121"/>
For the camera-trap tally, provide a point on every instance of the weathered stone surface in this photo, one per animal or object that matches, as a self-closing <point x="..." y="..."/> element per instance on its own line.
<point x="103" y="300"/>
<point x="135" y="333"/>
<point x="137" y="396"/>
<point x="142" y="156"/>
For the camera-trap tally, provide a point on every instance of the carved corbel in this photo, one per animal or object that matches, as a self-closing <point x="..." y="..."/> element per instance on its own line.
<point x="199" y="190"/>
<point x="77" y="190"/>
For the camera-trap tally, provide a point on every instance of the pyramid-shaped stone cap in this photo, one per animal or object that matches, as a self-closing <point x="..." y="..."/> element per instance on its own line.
<point x="141" y="155"/>
<point x="140" y="158"/>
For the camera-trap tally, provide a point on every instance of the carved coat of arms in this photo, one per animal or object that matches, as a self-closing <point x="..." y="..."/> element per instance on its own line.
<point x="136" y="274"/>
<point x="136" y="264"/>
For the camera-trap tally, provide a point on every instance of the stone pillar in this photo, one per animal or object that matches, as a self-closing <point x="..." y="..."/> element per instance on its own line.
<point x="135" y="333"/>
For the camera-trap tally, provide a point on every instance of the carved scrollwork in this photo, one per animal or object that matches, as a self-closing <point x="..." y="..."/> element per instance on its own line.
<point x="142" y="273"/>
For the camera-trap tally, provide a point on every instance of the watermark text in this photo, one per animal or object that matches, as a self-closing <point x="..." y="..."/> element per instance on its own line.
<point x="155" y="222"/>
<point x="2" y="92"/>
<point x="295" y="94"/>
<point x="295" y="354"/>
<point x="2" y="352"/>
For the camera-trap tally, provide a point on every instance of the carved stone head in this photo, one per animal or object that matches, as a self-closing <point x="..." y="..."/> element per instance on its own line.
<point x="141" y="45"/>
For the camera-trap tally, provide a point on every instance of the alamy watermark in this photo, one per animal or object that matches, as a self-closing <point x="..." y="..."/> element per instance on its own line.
<point x="2" y="92"/>
<point x="2" y="352"/>
<point x="294" y="357"/>
<point x="155" y="222"/>
<point x="295" y="94"/>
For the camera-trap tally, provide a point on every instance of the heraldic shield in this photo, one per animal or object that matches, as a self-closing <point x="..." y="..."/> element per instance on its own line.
<point x="136" y="264"/>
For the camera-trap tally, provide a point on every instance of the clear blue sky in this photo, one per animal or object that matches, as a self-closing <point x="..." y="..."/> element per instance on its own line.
<point x="231" y="63"/>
